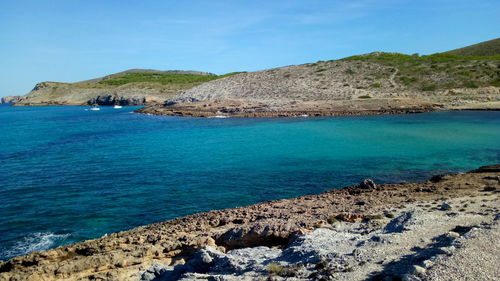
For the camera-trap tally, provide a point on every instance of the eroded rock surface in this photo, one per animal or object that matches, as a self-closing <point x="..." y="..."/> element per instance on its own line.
<point x="276" y="225"/>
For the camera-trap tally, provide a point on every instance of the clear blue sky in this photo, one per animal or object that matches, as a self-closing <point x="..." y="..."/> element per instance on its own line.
<point x="72" y="40"/>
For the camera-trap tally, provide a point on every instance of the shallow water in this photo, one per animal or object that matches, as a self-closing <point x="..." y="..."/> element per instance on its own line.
<point x="67" y="174"/>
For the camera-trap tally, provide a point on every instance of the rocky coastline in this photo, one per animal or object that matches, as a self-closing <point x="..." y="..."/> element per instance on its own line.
<point x="251" y="109"/>
<point x="405" y="231"/>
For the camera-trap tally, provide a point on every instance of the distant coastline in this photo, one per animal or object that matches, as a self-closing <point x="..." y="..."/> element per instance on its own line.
<point x="374" y="83"/>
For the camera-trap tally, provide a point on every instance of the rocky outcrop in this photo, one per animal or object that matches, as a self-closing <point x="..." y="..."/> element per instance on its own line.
<point x="360" y="251"/>
<point x="247" y="108"/>
<point x="274" y="224"/>
<point x="114" y="100"/>
<point x="10" y="99"/>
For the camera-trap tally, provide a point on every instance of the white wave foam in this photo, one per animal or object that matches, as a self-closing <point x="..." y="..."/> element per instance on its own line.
<point x="35" y="242"/>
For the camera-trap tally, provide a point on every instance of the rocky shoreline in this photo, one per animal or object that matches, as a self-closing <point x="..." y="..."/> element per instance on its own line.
<point x="387" y="231"/>
<point x="251" y="109"/>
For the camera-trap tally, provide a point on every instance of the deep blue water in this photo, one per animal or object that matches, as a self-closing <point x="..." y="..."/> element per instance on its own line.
<point x="67" y="174"/>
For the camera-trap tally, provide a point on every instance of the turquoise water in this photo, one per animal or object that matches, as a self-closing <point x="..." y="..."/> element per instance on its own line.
<point x="67" y="174"/>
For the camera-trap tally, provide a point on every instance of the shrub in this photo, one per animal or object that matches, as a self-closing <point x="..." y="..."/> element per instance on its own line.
<point x="332" y="220"/>
<point x="160" y="77"/>
<point x="279" y="270"/>
<point x="428" y="87"/>
<point x="274" y="268"/>
<point x="469" y="84"/>
<point x="407" y="80"/>
<point x="349" y="71"/>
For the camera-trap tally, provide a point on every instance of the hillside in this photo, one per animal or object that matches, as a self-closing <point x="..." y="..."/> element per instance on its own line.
<point x="131" y="87"/>
<point x="487" y="48"/>
<point x="372" y="83"/>
<point x="375" y="82"/>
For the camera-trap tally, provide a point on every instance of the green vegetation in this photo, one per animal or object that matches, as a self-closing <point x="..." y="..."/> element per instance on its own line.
<point x="160" y="77"/>
<point x="349" y="71"/>
<point x="487" y="48"/>
<point x="274" y="268"/>
<point x="406" y="80"/>
<point x="428" y="87"/>
<point x="438" y="71"/>
<point x="332" y="220"/>
<point x="278" y="270"/>
<point x="374" y="217"/>
<point x="496" y="82"/>
<point x="376" y="85"/>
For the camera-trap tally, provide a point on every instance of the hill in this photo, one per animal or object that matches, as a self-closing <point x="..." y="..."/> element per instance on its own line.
<point x="487" y="48"/>
<point x="371" y="83"/>
<point x="364" y="84"/>
<point x="131" y="87"/>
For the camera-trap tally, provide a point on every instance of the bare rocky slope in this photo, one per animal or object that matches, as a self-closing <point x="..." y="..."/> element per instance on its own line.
<point x="365" y="232"/>
<point x="376" y="82"/>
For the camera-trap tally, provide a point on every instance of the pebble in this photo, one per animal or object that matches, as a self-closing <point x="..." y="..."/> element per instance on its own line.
<point x="453" y="234"/>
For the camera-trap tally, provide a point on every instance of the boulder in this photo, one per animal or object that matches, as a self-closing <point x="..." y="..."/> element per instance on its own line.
<point x="368" y="184"/>
<point x="445" y="207"/>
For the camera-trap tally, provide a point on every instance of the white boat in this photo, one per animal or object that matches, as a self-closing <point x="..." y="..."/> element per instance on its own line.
<point x="95" y="108"/>
<point x="117" y="106"/>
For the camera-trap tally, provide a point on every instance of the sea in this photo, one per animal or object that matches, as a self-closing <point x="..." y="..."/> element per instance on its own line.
<point x="69" y="174"/>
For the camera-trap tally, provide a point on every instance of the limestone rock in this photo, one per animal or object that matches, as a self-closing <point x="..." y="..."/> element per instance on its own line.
<point x="401" y="223"/>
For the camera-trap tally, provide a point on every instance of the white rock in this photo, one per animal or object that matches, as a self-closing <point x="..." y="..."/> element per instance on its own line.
<point x="418" y="269"/>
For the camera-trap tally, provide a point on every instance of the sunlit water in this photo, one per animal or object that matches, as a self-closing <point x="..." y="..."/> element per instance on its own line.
<point x="69" y="174"/>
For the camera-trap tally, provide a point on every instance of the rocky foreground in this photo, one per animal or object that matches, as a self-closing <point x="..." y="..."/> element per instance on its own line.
<point x="434" y="230"/>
